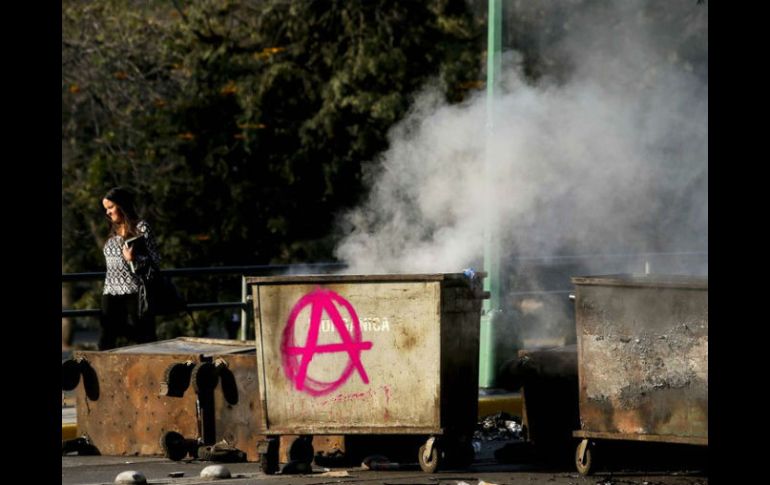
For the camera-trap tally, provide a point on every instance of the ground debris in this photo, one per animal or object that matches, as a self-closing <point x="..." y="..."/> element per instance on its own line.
<point x="378" y="462"/>
<point x="333" y="458"/>
<point x="337" y="473"/>
<point x="500" y="426"/>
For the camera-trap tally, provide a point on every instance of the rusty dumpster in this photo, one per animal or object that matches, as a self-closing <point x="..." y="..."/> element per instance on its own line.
<point x="642" y="344"/>
<point x="169" y="397"/>
<point x="369" y="355"/>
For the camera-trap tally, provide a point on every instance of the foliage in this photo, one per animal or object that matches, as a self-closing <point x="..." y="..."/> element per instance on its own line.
<point x="242" y="125"/>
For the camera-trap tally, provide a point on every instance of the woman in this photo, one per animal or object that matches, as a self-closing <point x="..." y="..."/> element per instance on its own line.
<point x="120" y="301"/>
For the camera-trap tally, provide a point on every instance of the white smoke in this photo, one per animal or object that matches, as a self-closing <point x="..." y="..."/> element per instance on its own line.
<point x="608" y="154"/>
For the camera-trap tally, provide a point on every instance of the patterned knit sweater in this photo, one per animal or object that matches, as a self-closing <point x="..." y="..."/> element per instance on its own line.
<point x="120" y="280"/>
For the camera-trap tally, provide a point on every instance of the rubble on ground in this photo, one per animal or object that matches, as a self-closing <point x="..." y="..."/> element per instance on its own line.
<point x="500" y="426"/>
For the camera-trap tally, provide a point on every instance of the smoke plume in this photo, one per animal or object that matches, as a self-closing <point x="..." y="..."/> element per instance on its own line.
<point x="603" y="150"/>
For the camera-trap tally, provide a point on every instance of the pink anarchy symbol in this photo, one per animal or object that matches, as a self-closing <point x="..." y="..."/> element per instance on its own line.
<point x="296" y="359"/>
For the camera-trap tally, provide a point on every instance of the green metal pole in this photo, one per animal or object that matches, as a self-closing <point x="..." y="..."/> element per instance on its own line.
<point x="491" y="309"/>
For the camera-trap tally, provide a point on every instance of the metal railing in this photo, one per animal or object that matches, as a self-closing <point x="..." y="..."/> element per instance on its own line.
<point x="243" y="271"/>
<point x="642" y="261"/>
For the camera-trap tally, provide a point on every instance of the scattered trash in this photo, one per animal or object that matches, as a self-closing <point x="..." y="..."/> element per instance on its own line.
<point x="475" y="280"/>
<point x="221" y="451"/>
<point x="176" y="474"/>
<point x="80" y="446"/>
<point x="366" y="463"/>
<point x="500" y="426"/>
<point x="513" y="427"/>
<point x="333" y="458"/>
<point x="337" y="473"/>
<point x="379" y="463"/>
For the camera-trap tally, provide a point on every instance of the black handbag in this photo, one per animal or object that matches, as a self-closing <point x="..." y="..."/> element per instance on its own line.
<point x="158" y="295"/>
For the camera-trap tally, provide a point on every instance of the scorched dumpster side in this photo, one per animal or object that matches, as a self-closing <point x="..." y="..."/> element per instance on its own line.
<point x="642" y="345"/>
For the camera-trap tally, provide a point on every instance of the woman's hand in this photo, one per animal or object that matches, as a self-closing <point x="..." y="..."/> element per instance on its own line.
<point x="128" y="253"/>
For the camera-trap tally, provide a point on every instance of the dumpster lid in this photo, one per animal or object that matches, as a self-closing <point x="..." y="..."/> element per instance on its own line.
<point x="645" y="280"/>
<point x="356" y="278"/>
<point x="190" y="345"/>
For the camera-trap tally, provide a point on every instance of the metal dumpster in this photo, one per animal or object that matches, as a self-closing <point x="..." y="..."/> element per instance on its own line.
<point x="548" y="380"/>
<point x="158" y="397"/>
<point x="642" y="345"/>
<point x="369" y="354"/>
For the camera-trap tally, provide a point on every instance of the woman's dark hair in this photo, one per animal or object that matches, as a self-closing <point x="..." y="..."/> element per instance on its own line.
<point x="124" y="199"/>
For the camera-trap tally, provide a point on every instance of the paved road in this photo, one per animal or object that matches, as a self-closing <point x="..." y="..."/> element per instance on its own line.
<point x="92" y="470"/>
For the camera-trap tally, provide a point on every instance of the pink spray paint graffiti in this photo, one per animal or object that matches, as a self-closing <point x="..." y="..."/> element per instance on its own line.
<point x="296" y="359"/>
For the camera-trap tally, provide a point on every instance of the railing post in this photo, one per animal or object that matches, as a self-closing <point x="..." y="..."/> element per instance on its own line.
<point x="244" y="298"/>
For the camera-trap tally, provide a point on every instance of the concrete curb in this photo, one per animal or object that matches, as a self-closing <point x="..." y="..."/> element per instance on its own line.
<point x="510" y="403"/>
<point x="69" y="431"/>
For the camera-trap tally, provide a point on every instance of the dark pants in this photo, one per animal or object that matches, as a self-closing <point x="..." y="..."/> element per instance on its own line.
<point x="120" y="318"/>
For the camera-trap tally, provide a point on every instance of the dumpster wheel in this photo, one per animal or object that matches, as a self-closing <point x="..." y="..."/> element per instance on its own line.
<point x="584" y="457"/>
<point x="173" y="445"/>
<point x="301" y="449"/>
<point x="268" y="455"/>
<point x="430" y="456"/>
